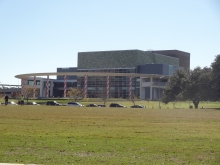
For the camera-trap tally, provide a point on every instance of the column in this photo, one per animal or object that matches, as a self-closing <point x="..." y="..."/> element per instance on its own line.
<point x="34" y="95"/>
<point x="151" y="88"/>
<point x="25" y="87"/>
<point x="64" y="91"/>
<point x="85" y="85"/>
<point x="22" y="86"/>
<point x="107" y="90"/>
<point x="130" y="87"/>
<point x="142" y="89"/>
<point x="47" y="87"/>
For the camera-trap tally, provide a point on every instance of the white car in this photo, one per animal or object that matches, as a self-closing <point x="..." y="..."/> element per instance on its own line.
<point x="32" y="103"/>
<point x="75" y="104"/>
<point x="12" y="103"/>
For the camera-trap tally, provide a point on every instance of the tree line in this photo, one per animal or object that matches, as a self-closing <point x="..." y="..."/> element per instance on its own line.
<point x="199" y="84"/>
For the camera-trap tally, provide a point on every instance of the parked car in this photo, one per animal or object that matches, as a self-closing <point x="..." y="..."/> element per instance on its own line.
<point x="117" y="105"/>
<point x="75" y="104"/>
<point x="53" y="103"/>
<point x="92" y="105"/>
<point x="12" y="103"/>
<point x="138" y="106"/>
<point x="32" y="103"/>
<point x="101" y="105"/>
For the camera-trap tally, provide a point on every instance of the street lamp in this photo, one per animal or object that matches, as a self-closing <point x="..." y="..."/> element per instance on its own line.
<point x="159" y="89"/>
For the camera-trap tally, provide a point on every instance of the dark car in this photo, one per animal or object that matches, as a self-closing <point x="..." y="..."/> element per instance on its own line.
<point x="117" y="105"/>
<point x="138" y="106"/>
<point x="53" y="103"/>
<point x="92" y="105"/>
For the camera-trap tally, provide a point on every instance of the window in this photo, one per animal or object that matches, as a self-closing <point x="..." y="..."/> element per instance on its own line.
<point x="30" y="82"/>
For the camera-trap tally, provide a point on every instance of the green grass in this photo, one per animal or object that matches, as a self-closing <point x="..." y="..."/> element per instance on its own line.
<point x="75" y="135"/>
<point x="150" y="105"/>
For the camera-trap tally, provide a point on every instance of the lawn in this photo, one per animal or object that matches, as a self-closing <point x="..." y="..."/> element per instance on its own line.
<point x="149" y="105"/>
<point x="75" y="135"/>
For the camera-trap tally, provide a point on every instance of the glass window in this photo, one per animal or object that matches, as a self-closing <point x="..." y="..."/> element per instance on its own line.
<point x="30" y="82"/>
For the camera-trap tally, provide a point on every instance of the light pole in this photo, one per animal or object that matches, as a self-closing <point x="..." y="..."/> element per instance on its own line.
<point x="159" y="89"/>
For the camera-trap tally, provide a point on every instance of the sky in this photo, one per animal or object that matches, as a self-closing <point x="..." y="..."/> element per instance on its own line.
<point x="40" y="35"/>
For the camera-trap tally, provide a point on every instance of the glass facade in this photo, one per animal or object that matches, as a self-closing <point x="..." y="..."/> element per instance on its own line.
<point x="31" y="82"/>
<point x="71" y="69"/>
<point x="118" y="85"/>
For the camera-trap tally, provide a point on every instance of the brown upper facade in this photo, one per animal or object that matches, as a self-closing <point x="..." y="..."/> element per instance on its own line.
<point x="184" y="57"/>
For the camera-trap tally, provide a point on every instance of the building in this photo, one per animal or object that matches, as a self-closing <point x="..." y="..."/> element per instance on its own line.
<point x="9" y="89"/>
<point x="150" y="72"/>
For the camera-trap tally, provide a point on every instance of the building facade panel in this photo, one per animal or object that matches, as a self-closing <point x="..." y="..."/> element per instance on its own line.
<point x="107" y="59"/>
<point x="184" y="57"/>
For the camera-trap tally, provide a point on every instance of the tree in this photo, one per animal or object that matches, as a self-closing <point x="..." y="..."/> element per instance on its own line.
<point x="103" y="96"/>
<point x="175" y="86"/>
<point x="194" y="85"/>
<point x="75" y="94"/>
<point x="199" y="86"/>
<point x="15" y="95"/>
<point x="30" y="93"/>
<point x="216" y="77"/>
<point x="133" y="98"/>
<point x="179" y="98"/>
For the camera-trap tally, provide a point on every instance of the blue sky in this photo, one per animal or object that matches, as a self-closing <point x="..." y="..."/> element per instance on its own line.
<point x="41" y="35"/>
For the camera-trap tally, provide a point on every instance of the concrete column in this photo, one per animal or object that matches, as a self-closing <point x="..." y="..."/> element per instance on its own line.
<point x="85" y="85"/>
<point x="22" y="86"/>
<point x="34" y="95"/>
<point x="42" y="87"/>
<point x="151" y="89"/>
<point x="130" y="87"/>
<point x="51" y="88"/>
<point x="142" y="89"/>
<point x="47" y="86"/>
<point x="25" y="87"/>
<point x="64" y="88"/>
<point x="107" y="88"/>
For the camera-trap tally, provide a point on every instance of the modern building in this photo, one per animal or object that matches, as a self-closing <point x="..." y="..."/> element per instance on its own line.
<point x="9" y="89"/>
<point x="150" y="72"/>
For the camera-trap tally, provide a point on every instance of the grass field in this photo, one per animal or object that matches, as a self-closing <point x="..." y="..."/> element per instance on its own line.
<point x="149" y="105"/>
<point x="75" y="135"/>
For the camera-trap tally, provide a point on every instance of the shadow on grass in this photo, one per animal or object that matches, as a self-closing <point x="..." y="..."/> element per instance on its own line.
<point x="211" y="108"/>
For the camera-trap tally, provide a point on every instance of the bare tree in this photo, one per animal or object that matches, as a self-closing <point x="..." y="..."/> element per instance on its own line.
<point x="103" y="96"/>
<point x="148" y="100"/>
<point x="15" y="95"/>
<point x="75" y="94"/>
<point x="133" y="98"/>
<point x="30" y="93"/>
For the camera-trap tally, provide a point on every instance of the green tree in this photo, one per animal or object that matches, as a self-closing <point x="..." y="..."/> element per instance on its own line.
<point x="175" y="86"/>
<point x="216" y="77"/>
<point x="194" y="85"/>
<point x="198" y="88"/>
